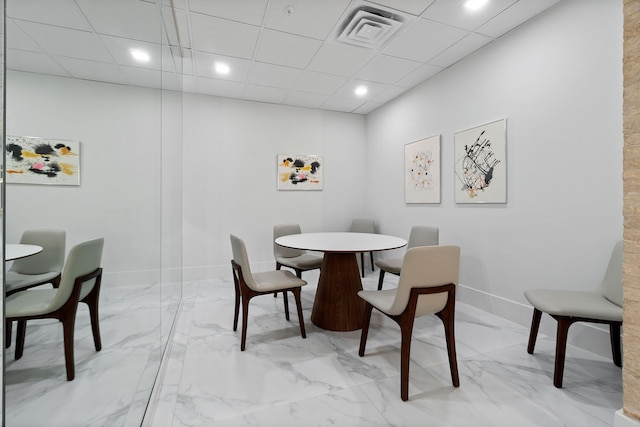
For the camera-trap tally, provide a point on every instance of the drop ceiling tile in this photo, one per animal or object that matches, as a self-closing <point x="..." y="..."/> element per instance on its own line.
<point x="273" y="75"/>
<point x="91" y="70"/>
<point x="18" y="39"/>
<point x="305" y="99"/>
<point x="181" y="27"/>
<point x="313" y="19"/>
<point x="168" y="23"/>
<point x="464" y="47"/>
<point x="339" y="59"/>
<point x="66" y="42"/>
<point x="247" y="11"/>
<point x="120" y="49"/>
<point x="454" y="13"/>
<point x="514" y="16"/>
<point x="320" y="83"/>
<point x="346" y="105"/>
<point x="264" y="94"/>
<point x="367" y="107"/>
<point x="348" y="90"/>
<point x="61" y="13"/>
<point x="414" y="7"/>
<point x="124" y="18"/>
<point x="34" y="62"/>
<point x="171" y="81"/>
<point x="219" y="87"/>
<point x="280" y="48"/>
<point x="143" y="77"/>
<point x="223" y="37"/>
<point x="387" y="69"/>
<point x="189" y="84"/>
<point x="389" y="93"/>
<point x="204" y="63"/>
<point x="423" y="40"/>
<point x="188" y="66"/>
<point x="419" y="75"/>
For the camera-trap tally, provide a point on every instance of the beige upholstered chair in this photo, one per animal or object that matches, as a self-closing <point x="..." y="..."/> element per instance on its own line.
<point x="296" y="259"/>
<point x="427" y="285"/>
<point x="249" y="285"/>
<point x="43" y="267"/>
<point x="80" y="275"/>
<point x="419" y="236"/>
<point x="602" y="305"/>
<point x="363" y="225"/>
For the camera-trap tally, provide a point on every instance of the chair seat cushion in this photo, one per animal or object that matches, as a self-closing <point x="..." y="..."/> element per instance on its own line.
<point x="302" y="262"/>
<point x="590" y="305"/>
<point x="382" y="300"/>
<point x="391" y="265"/>
<point x="15" y="280"/>
<point x="30" y="303"/>
<point x="275" y="280"/>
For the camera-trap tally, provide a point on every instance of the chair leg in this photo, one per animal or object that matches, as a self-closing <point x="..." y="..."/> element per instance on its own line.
<point x="533" y="334"/>
<point x="245" y="318"/>
<point x="20" y="333"/>
<point x="561" y="348"/>
<point x="362" y="262"/>
<point x="365" y="328"/>
<point x="380" y="279"/>
<point x="8" y="326"/>
<point x="371" y="256"/>
<point x="286" y="304"/>
<point x="68" y="326"/>
<point x="447" y="317"/>
<point x="406" y="329"/>
<point x="296" y="295"/>
<point x="92" y="300"/>
<point x="614" y="331"/>
<point x="237" y="306"/>
<point x="278" y="266"/>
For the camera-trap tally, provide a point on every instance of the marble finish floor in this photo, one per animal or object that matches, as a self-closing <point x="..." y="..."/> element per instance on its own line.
<point x="284" y="380"/>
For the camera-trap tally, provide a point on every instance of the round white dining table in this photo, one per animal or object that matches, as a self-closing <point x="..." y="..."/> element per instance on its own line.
<point x="336" y="306"/>
<point x="14" y="251"/>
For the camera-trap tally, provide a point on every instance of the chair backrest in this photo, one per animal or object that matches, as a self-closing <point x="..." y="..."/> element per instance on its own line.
<point x="51" y="258"/>
<point x="83" y="258"/>
<point x="421" y="235"/>
<point x="611" y="286"/>
<point x="280" y="230"/>
<point x="426" y="266"/>
<point x="362" y="225"/>
<point x="241" y="258"/>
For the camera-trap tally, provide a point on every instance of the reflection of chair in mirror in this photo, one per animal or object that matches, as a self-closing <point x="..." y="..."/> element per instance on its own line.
<point x="602" y="305"/>
<point x="296" y="259"/>
<point x="363" y="225"/>
<point x="427" y="285"/>
<point x="249" y="285"/>
<point x="81" y="269"/>
<point x="419" y="236"/>
<point x="43" y="267"/>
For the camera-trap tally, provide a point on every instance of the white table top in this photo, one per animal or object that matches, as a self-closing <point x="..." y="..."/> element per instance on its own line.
<point x="341" y="242"/>
<point x="18" y="250"/>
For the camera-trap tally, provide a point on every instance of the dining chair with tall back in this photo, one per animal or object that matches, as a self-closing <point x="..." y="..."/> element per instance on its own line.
<point x="41" y="268"/>
<point x="427" y="285"/>
<point x="363" y="225"/>
<point x="601" y="305"/>
<point x="249" y="285"/>
<point x="82" y="268"/>
<point x="296" y="259"/>
<point x="419" y="235"/>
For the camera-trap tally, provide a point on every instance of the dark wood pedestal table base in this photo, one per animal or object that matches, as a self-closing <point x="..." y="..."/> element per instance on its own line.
<point x="336" y="306"/>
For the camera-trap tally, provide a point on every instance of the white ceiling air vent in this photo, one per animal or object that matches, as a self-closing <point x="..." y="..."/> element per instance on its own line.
<point x="369" y="27"/>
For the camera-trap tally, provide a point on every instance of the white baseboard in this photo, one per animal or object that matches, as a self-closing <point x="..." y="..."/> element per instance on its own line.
<point x="622" y="420"/>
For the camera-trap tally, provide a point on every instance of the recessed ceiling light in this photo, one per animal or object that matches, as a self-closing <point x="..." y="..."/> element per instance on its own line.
<point x="140" y="55"/>
<point x="475" y="4"/>
<point x="361" y="90"/>
<point x="221" y="68"/>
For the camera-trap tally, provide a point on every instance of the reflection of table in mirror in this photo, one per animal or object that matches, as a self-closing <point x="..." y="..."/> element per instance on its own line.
<point x="337" y="306"/>
<point x="14" y="251"/>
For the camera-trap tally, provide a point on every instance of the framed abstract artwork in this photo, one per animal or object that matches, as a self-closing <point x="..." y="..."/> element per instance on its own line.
<point x="299" y="172"/>
<point x="33" y="160"/>
<point x="481" y="164"/>
<point x="422" y="171"/>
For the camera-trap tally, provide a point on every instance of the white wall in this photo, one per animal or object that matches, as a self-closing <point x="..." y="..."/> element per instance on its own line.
<point x="558" y="82"/>
<point x="230" y="164"/>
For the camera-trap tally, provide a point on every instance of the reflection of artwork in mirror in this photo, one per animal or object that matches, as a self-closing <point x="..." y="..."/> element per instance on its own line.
<point x="299" y="172"/>
<point x="422" y="171"/>
<point x="481" y="164"/>
<point x="32" y="160"/>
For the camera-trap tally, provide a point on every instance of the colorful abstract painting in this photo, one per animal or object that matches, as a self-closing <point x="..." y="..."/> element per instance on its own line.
<point x="422" y="171"/>
<point x="301" y="172"/>
<point x="32" y="160"/>
<point x="481" y="164"/>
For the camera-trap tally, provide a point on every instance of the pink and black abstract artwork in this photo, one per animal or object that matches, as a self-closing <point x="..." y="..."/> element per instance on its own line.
<point x="32" y="160"/>
<point x="299" y="172"/>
